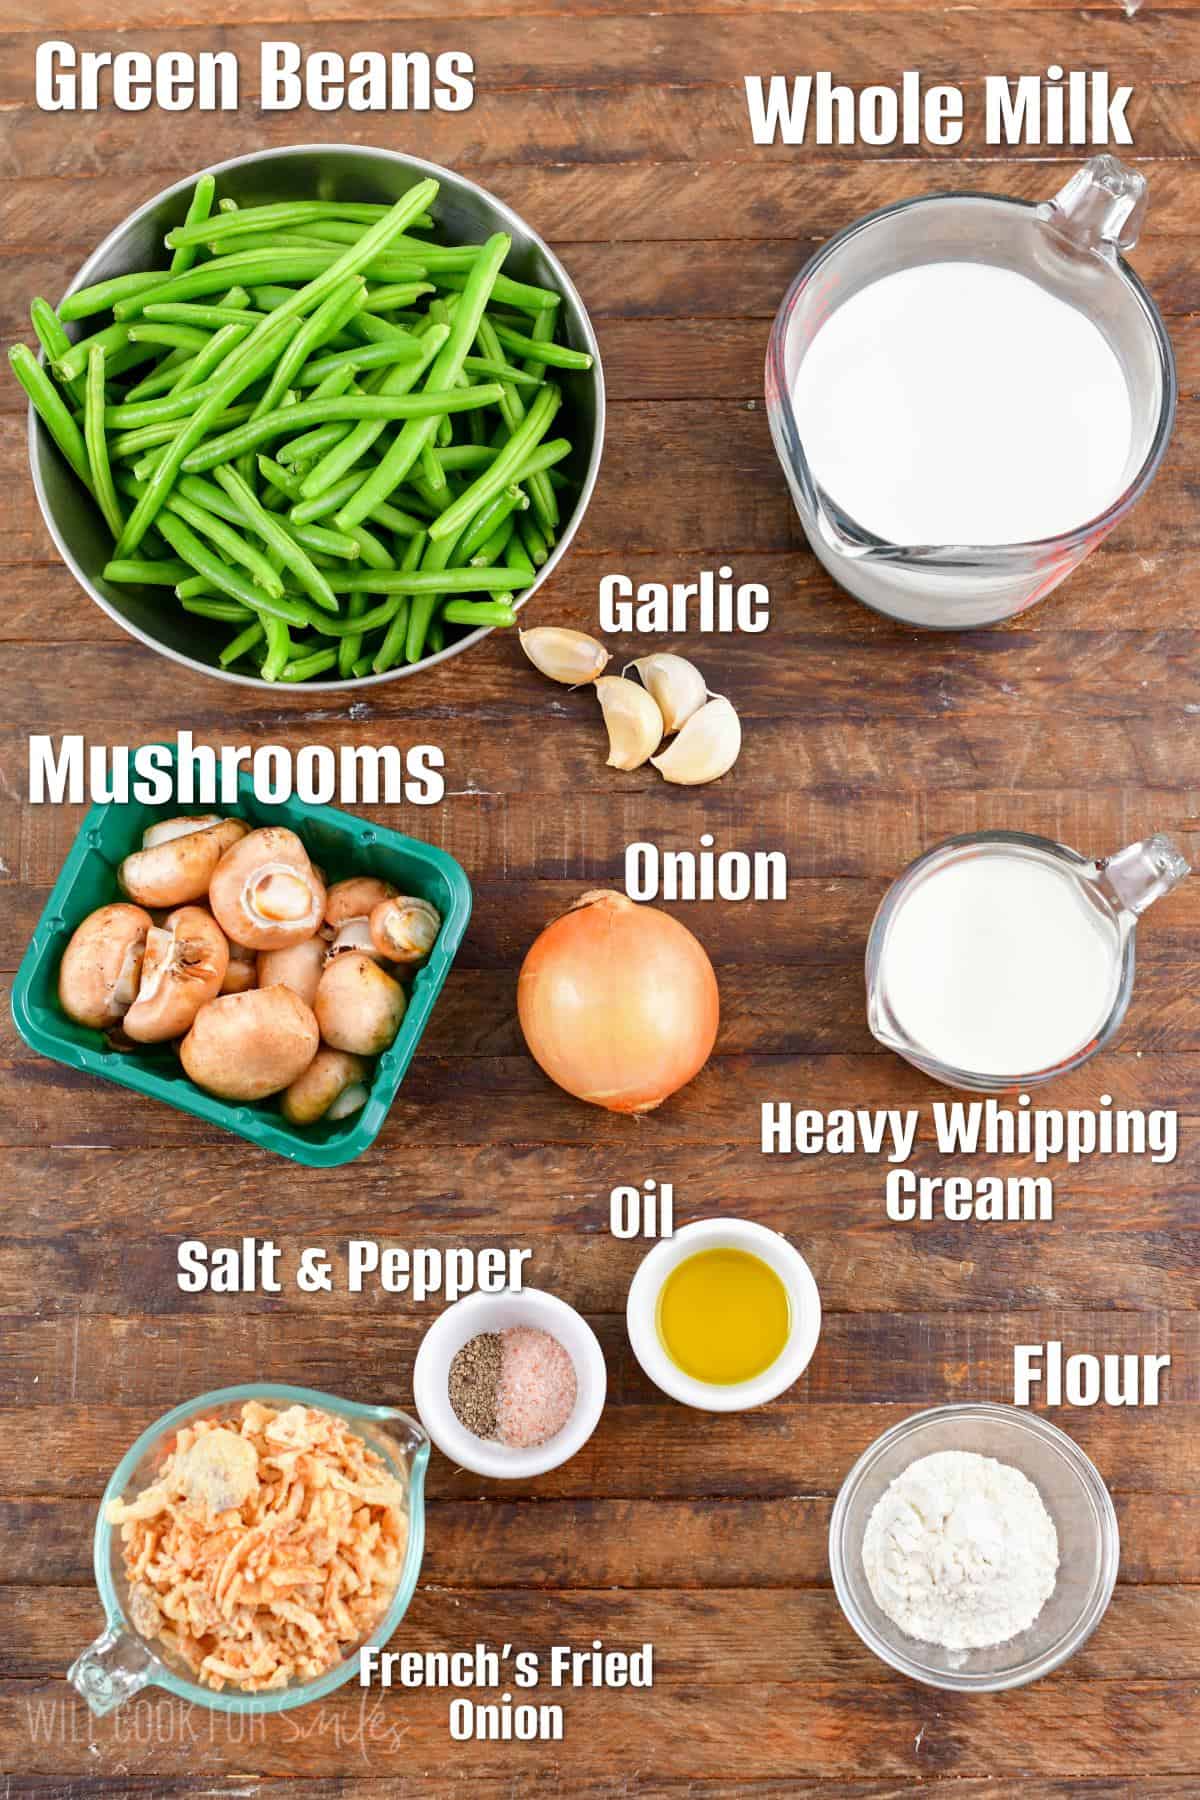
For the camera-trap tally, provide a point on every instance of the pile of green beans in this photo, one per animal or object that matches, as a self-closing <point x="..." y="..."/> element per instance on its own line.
<point x="316" y="426"/>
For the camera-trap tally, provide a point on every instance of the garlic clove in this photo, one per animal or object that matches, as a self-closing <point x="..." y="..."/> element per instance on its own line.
<point x="571" y="657"/>
<point x="706" y="748"/>
<point x="635" y="725"/>
<point x="676" y="684"/>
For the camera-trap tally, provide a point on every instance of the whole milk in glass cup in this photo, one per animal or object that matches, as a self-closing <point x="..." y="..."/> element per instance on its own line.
<point x="999" y="960"/>
<point x="967" y="392"/>
<point x="123" y="1659"/>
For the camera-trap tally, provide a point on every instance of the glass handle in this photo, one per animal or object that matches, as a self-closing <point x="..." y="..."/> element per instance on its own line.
<point x="1102" y="208"/>
<point x="1142" y="873"/>
<point x="110" y="1670"/>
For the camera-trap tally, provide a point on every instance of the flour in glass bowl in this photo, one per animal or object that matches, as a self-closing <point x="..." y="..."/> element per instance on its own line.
<point x="960" y="403"/>
<point x="960" y="1551"/>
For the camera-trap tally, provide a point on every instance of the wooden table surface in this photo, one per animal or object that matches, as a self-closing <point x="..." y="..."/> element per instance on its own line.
<point x="621" y="134"/>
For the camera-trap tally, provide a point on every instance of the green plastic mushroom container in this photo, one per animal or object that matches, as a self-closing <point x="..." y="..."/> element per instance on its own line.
<point x="342" y="845"/>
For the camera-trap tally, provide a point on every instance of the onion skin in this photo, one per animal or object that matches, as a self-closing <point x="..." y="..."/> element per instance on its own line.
<point x="618" y="1003"/>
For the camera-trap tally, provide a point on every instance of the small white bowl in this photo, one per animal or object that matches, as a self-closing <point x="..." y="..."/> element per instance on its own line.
<point x="641" y="1314"/>
<point x="498" y="1312"/>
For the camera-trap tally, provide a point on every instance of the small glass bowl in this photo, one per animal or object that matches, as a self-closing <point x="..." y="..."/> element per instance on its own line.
<point x="122" y="1661"/>
<point x="1076" y="1499"/>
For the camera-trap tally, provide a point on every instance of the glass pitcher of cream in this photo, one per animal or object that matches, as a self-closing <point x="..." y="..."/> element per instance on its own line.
<point x="967" y="392"/>
<point x="1000" y="960"/>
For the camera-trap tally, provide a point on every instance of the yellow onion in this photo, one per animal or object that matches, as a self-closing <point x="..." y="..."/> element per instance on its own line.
<point x="618" y="1003"/>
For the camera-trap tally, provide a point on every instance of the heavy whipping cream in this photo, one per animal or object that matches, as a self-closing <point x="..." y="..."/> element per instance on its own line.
<point x="959" y="403"/>
<point x="999" y="964"/>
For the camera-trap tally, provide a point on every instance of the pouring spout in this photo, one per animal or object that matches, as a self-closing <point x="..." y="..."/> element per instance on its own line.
<point x="1102" y="208"/>
<point x="1142" y="873"/>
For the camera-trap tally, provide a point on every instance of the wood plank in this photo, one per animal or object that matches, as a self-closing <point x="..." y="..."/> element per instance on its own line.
<point x="632" y="1544"/>
<point x="647" y="1452"/>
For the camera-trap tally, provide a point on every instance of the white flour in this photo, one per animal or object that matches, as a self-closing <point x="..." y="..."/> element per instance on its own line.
<point x="960" y="1551"/>
<point x="958" y="403"/>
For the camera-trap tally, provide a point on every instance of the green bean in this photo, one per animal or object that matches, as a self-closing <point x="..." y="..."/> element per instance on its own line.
<point x="105" y="294"/>
<point x="96" y="444"/>
<point x="493" y="549"/>
<point x="148" y="437"/>
<point x="363" y="356"/>
<point x="467" y="456"/>
<point x="50" y="407"/>
<point x="242" y="644"/>
<point x="269" y="297"/>
<point x="301" y="452"/>
<point x="279" y="649"/>
<point x="499" y="370"/>
<point x="346" y="453"/>
<point x="339" y="305"/>
<point x="284" y="479"/>
<point x="432" y="473"/>
<point x="72" y="362"/>
<point x="229" y="612"/>
<point x="204" y="518"/>
<point x="137" y="572"/>
<point x="557" y="356"/>
<point x="362" y="667"/>
<point x="533" y="540"/>
<point x="56" y="345"/>
<point x="504" y="469"/>
<point x="411" y="440"/>
<point x="243" y="366"/>
<point x="176" y="337"/>
<point x="426" y="406"/>
<point x="393" y="296"/>
<point x="212" y="569"/>
<point x="213" y="354"/>
<point x="431" y="579"/>
<point x="251" y="267"/>
<point x="198" y="210"/>
<point x="437" y="637"/>
<point x="488" y="517"/>
<point x="371" y="550"/>
<point x="512" y="408"/>
<point x="517" y="560"/>
<point x="328" y="543"/>
<point x="306" y="511"/>
<point x="518" y="294"/>
<point x="190" y="312"/>
<point x="278" y="216"/>
<point x="350" y="647"/>
<point x="162" y="377"/>
<point x="308" y="666"/>
<point x="478" y="612"/>
<point x="294" y="556"/>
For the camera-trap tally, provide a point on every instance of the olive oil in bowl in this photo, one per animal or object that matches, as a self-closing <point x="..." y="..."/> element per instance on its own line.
<point x="723" y="1316"/>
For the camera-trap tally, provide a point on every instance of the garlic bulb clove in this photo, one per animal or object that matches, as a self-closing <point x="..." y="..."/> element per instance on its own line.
<point x="635" y="725"/>
<point x="677" y="685"/>
<point x="706" y="748"/>
<point x="571" y="657"/>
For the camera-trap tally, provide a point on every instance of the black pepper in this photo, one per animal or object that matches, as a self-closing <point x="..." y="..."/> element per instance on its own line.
<point x="472" y="1383"/>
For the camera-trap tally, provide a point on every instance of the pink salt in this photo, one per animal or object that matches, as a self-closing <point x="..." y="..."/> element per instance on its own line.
<point x="536" y="1393"/>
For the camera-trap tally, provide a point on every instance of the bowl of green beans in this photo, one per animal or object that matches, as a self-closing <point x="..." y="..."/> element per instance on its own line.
<point x="323" y="415"/>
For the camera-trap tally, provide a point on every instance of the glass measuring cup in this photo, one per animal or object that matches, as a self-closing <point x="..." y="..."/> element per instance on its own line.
<point x="121" y="1661"/>
<point x="1070" y="246"/>
<point x="1116" y="889"/>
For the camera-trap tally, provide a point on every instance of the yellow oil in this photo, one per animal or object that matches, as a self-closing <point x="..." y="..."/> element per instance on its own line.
<point x="723" y="1316"/>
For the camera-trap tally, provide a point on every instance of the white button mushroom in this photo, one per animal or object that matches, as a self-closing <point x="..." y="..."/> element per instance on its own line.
<point x="246" y="1046"/>
<point x="405" y="928"/>
<point x="298" y="967"/>
<point x="177" y="859"/>
<point x="183" y="968"/>
<point x="333" y="1086"/>
<point x="102" y="965"/>
<point x="265" y="892"/>
<point x="359" y="1006"/>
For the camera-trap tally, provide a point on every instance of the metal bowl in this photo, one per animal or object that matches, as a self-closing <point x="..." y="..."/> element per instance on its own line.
<point x="465" y="212"/>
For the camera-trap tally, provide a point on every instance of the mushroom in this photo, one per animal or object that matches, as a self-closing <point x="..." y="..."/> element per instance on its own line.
<point x="102" y="964"/>
<point x="183" y="968"/>
<point x="298" y="967"/>
<point x="405" y="928"/>
<point x="245" y="1046"/>
<point x="332" y="1087"/>
<point x="265" y="892"/>
<point x="354" y="934"/>
<point x="354" y="898"/>
<point x="359" y="1006"/>
<point x="242" y="971"/>
<point x="177" y="859"/>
